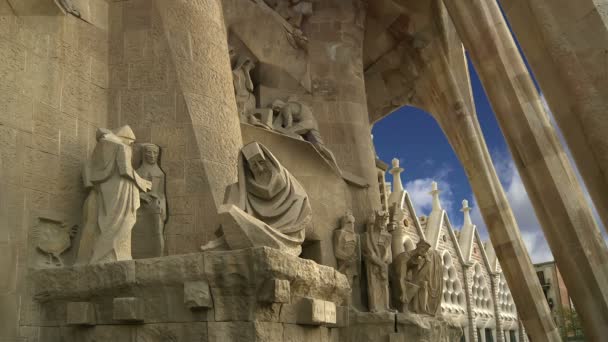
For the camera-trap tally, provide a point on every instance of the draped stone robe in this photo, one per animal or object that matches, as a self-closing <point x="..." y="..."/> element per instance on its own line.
<point x="112" y="203"/>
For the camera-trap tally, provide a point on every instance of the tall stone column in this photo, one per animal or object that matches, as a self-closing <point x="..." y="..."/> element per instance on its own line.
<point x="335" y="49"/>
<point x="198" y="49"/>
<point x="462" y="129"/>
<point x="565" y="42"/>
<point x="549" y="179"/>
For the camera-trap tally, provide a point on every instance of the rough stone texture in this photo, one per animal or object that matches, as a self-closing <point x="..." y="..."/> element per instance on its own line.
<point x="197" y="295"/>
<point x="563" y="43"/>
<point x="80" y="313"/>
<point x="127" y="309"/>
<point x="46" y="73"/>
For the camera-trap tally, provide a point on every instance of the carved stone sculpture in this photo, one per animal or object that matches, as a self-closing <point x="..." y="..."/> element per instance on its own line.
<point x="110" y="210"/>
<point x="296" y="119"/>
<point x="294" y="11"/>
<point x="52" y="237"/>
<point x="148" y="233"/>
<point x="266" y="207"/>
<point x="69" y="7"/>
<point x="376" y="246"/>
<point x="420" y="275"/>
<point x="243" y="86"/>
<point x="346" y="247"/>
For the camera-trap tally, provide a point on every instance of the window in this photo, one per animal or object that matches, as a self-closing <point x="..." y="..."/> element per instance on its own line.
<point x="489" y="335"/>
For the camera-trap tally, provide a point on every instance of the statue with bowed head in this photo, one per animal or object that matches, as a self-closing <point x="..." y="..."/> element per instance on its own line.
<point x="266" y="207"/>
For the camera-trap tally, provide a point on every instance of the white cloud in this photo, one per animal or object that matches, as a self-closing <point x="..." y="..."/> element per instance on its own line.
<point x="419" y="191"/>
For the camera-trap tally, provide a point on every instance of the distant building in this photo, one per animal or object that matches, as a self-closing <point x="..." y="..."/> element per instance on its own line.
<point x="557" y="296"/>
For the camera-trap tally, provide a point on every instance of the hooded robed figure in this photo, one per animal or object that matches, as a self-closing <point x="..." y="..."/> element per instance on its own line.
<point x="110" y="210"/>
<point x="266" y="207"/>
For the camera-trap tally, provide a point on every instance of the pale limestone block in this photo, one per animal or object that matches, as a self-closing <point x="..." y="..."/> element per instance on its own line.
<point x="342" y="316"/>
<point x="316" y="312"/>
<point x="268" y="331"/>
<point x="275" y="291"/>
<point x="197" y="295"/>
<point x="80" y="313"/>
<point x="127" y="309"/>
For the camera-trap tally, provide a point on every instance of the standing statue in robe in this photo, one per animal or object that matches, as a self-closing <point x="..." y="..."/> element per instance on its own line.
<point x="346" y="248"/>
<point x="420" y="274"/>
<point x="243" y="87"/>
<point x="376" y="245"/>
<point x="296" y="119"/>
<point x="110" y="210"/>
<point x="266" y="207"/>
<point x="148" y="233"/>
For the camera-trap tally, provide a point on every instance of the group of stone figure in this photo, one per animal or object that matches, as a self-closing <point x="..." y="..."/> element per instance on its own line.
<point x="414" y="273"/>
<point x="292" y="117"/>
<point x="120" y="198"/>
<point x="267" y="206"/>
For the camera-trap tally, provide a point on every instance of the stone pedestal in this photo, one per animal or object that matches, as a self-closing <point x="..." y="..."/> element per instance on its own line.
<point x="166" y="299"/>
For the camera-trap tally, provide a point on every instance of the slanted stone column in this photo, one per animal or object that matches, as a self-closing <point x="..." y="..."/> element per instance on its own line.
<point x="462" y="129"/>
<point x="198" y="52"/>
<point x="557" y="197"/>
<point x="565" y="42"/>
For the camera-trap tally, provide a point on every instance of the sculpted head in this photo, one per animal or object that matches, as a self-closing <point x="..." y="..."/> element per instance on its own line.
<point x="422" y="247"/>
<point x="126" y="135"/>
<point x="260" y="167"/>
<point x="150" y="153"/>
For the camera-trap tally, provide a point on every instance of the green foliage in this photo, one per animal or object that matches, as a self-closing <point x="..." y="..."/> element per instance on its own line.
<point x="570" y="325"/>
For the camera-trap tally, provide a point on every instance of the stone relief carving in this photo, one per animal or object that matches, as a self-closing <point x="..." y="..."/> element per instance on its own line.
<point x="52" y="237"/>
<point x="266" y="207"/>
<point x="110" y="209"/>
<point x="376" y="247"/>
<point x="148" y="232"/>
<point x="346" y="247"/>
<point x="420" y="275"/>
<point x="243" y="86"/>
<point x="295" y="119"/>
<point x="69" y="7"/>
<point x="293" y="11"/>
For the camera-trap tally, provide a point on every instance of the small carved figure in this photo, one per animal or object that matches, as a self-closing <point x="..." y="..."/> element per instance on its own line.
<point x="69" y="7"/>
<point x="266" y="207"/>
<point x="110" y="210"/>
<point x="346" y="246"/>
<point x="243" y="86"/>
<point x="420" y="274"/>
<point x="53" y="237"/>
<point x="296" y="119"/>
<point x="376" y="246"/>
<point x="148" y="233"/>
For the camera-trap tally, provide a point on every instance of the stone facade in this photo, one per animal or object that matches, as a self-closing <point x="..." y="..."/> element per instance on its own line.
<point x="169" y="69"/>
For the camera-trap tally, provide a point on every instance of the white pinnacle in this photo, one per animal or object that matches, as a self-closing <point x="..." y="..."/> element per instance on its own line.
<point x="396" y="172"/>
<point x="435" y="193"/>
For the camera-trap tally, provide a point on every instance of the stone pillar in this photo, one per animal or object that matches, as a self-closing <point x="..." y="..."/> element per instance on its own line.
<point x="335" y="49"/>
<point x="468" y="283"/>
<point x="462" y="129"/>
<point x="557" y="198"/>
<point x="207" y="161"/>
<point x="495" y="280"/>
<point x="565" y="42"/>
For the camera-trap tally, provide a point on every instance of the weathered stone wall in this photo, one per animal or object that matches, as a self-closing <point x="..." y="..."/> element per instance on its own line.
<point x="53" y="97"/>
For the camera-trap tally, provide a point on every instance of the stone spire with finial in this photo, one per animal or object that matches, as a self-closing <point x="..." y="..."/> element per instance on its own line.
<point x="396" y="172"/>
<point x="435" y="193"/>
<point x="467" y="233"/>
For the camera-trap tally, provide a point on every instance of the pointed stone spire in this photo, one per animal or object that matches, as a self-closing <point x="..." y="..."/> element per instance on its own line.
<point x="435" y="193"/>
<point x="467" y="233"/>
<point x="398" y="194"/>
<point x="466" y="209"/>
<point x="396" y="172"/>
<point x="435" y="221"/>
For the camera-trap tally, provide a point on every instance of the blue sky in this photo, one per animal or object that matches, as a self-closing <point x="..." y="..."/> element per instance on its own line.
<point x="413" y="136"/>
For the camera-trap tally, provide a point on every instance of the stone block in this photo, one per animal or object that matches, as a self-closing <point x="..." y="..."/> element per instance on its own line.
<point x="197" y="295"/>
<point x="342" y="317"/>
<point x="128" y="309"/>
<point x="231" y="331"/>
<point x="80" y="313"/>
<point x="275" y="291"/>
<point x="316" y="312"/>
